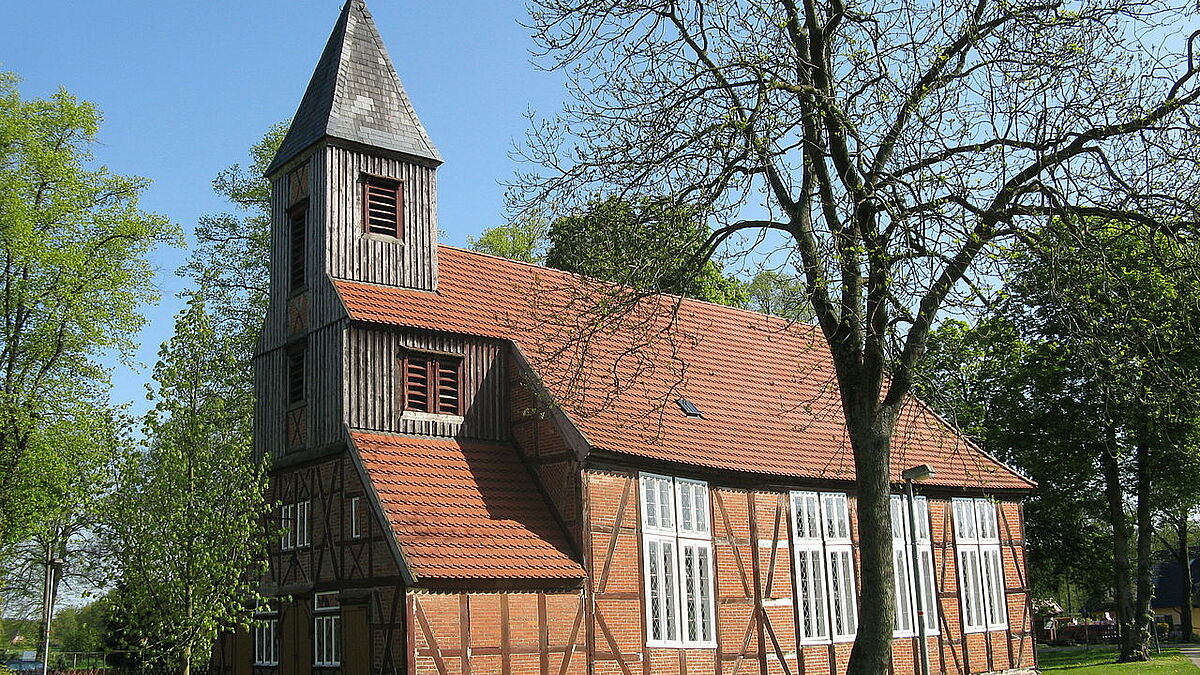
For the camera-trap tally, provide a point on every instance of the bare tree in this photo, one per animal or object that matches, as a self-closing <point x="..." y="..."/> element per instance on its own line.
<point x="898" y="145"/>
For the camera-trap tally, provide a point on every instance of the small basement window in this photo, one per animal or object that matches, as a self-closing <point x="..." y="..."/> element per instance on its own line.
<point x="431" y="384"/>
<point x="689" y="408"/>
<point x="383" y="205"/>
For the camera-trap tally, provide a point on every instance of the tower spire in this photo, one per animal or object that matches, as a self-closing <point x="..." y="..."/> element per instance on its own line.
<point x="355" y="95"/>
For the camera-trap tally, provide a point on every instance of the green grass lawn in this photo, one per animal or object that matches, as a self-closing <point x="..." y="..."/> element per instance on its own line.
<point x="1099" y="661"/>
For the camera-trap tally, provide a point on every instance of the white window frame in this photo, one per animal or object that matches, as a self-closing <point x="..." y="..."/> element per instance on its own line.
<point x="823" y="565"/>
<point x="677" y="562"/>
<point x="902" y="554"/>
<point x="355" y="525"/>
<point x="266" y="638"/>
<point x="980" y="565"/>
<point x="327" y="630"/>
<point x="295" y="519"/>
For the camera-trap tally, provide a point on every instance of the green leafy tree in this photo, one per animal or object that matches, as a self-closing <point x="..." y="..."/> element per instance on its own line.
<point x="1014" y="396"/>
<point x="649" y="244"/>
<point x="74" y="273"/>
<point x="1088" y="381"/>
<point x="772" y="292"/>
<point x="894" y="146"/>
<point x="187" y="520"/>
<point x="524" y="239"/>
<point x="82" y="628"/>
<point x="230" y="260"/>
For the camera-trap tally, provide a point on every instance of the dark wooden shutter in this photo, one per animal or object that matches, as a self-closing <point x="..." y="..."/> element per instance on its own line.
<point x="295" y="375"/>
<point x="447" y="390"/>
<point x="383" y="202"/>
<point x="297" y="238"/>
<point x="416" y="384"/>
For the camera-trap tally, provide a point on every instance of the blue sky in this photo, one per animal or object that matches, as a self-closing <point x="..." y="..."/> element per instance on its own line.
<point x="187" y="87"/>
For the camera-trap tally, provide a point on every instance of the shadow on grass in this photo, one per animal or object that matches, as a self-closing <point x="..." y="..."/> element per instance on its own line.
<point x="1102" y="661"/>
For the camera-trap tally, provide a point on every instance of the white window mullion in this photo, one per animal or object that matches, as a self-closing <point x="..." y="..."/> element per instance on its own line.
<point x="844" y="608"/>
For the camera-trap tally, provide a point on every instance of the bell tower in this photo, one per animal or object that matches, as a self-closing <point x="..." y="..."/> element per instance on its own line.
<point x="369" y="165"/>
<point x="354" y="197"/>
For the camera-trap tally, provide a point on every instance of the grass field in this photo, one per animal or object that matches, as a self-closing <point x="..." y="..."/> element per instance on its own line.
<point x="1099" y="661"/>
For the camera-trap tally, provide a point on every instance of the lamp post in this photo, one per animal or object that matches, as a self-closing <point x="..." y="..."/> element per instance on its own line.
<point x="54" y="567"/>
<point x="920" y="472"/>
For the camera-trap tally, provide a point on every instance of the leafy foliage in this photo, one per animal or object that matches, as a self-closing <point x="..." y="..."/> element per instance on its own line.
<point x="74" y="272"/>
<point x="523" y="240"/>
<point x="188" y="519"/>
<point x="647" y="244"/>
<point x="230" y="260"/>
<point x="1088" y="380"/>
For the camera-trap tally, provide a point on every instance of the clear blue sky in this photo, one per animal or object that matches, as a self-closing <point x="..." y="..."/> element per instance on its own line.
<point x="187" y="87"/>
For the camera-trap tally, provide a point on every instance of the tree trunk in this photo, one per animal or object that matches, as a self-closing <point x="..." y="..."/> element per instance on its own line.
<point x="1139" y="650"/>
<point x="1122" y="591"/>
<point x="871" y="440"/>
<point x="1183" y="555"/>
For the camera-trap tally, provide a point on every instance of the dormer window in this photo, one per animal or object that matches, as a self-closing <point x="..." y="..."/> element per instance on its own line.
<point x="431" y="384"/>
<point x="383" y="205"/>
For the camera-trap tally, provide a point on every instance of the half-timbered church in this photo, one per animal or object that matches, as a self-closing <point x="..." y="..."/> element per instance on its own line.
<point x="472" y="483"/>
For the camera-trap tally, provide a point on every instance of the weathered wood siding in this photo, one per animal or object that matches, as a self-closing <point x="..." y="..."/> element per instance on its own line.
<point x="327" y="184"/>
<point x="362" y="569"/>
<point x="410" y="261"/>
<point x="373" y="391"/>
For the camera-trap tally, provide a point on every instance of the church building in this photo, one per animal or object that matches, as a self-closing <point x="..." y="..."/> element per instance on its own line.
<point x="472" y="480"/>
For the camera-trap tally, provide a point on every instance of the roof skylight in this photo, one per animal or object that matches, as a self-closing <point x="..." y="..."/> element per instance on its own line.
<point x="689" y="408"/>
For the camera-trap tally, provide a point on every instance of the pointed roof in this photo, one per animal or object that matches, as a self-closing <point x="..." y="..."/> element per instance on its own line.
<point x="355" y="95"/>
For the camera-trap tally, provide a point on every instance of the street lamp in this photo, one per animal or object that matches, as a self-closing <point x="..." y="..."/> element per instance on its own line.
<point x="54" y="567"/>
<point x="919" y="472"/>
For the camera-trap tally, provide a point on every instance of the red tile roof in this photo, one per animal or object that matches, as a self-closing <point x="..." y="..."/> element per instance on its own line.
<point x="465" y="509"/>
<point x="766" y="387"/>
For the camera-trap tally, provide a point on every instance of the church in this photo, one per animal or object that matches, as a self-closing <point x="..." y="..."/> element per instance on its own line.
<point x="474" y="479"/>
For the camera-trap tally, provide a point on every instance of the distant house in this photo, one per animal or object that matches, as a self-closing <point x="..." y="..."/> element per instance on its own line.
<point x="1168" y="590"/>
<point x="466" y="490"/>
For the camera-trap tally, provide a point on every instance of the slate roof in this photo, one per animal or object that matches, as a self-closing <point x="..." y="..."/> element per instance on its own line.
<point x="465" y="510"/>
<point x="766" y="387"/>
<point x="355" y="95"/>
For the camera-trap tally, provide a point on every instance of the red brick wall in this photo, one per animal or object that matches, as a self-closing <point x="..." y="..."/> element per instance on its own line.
<point x="755" y="603"/>
<point x="497" y="633"/>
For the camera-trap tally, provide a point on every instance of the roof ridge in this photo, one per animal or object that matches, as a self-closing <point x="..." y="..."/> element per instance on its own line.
<point x="685" y="299"/>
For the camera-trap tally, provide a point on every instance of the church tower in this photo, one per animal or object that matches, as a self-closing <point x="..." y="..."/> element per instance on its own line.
<point x="354" y="197"/>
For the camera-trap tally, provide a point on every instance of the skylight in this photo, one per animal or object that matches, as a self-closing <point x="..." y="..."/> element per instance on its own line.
<point x="689" y="408"/>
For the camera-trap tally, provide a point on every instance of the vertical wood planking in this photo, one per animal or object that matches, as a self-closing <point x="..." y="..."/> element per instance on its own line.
<point x="409" y="262"/>
<point x="372" y="381"/>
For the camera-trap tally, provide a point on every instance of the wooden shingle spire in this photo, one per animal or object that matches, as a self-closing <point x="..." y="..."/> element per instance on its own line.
<point x="355" y="95"/>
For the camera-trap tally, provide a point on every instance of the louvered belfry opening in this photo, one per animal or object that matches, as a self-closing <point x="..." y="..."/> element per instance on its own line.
<point x="295" y="374"/>
<point x="431" y="384"/>
<point x="383" y="205"/>
<point x="297" y="244"/>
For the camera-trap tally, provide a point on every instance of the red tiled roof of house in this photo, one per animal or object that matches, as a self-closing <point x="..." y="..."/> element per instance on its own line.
<point x="465" y="509"/>
<point x="765" y="386"/>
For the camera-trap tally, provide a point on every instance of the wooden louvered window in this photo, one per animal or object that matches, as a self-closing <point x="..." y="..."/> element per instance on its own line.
<point x="431" y="384"/>
<point x="297" y="247"/>
<point x="383" y="205"/>
<point x="295" y="375"/>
